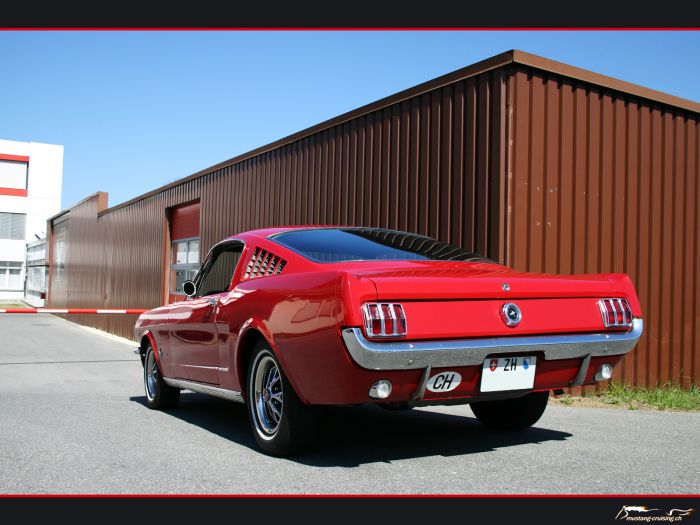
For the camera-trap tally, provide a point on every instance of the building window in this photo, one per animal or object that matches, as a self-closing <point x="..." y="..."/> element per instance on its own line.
<point x="36" y="280"/>
<point x="13" y="174"/>
<point x="12" y="226"/>
<point x="37" y="254"/>
<point x="59" y="250"/>
<point x="10" y="275"/>
<point x="37" y="270"/>
<point x="184" y="263"/>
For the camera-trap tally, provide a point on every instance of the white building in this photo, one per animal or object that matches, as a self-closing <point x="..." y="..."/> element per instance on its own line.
<point x="30" y="192"/>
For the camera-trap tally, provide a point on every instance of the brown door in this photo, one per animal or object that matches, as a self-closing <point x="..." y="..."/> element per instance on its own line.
<point x="184" y="248"/>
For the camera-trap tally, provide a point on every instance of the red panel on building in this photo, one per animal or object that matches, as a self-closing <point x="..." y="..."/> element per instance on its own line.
<point x="14" y="192"/>
<point x="185" y="222"/>
<point x="14" y="158"/>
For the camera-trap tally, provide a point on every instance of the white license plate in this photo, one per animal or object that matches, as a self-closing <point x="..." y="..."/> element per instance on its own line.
<point x="508" y="373"/>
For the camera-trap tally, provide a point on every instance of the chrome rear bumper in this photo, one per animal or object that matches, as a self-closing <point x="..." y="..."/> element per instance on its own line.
<point x="405" y="355"/>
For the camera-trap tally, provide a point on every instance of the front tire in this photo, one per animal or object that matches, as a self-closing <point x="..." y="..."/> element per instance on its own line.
<point x="159" y="395"/>
<point x="511" y="414"/>
<point x="280" y="422"/>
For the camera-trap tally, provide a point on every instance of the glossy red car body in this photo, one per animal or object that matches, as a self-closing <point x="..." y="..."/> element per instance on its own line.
<point x="310" y="314"/>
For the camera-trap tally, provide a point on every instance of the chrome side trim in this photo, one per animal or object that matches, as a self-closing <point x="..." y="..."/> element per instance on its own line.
<point x="230" y="395"/>
<point x="468" y="352"/>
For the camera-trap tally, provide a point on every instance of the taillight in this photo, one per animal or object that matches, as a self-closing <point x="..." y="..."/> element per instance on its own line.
<point x="373" y="319"/>
<point x="615" y="313"/>
<point x="384" y="319"/>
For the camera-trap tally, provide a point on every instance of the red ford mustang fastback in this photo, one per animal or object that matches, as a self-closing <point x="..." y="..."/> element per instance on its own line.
<point x="287" y="318"/>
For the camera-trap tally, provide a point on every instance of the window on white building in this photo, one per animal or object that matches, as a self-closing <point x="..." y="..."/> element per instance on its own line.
<point x="12" y="226"/>
<point x="10" y="275"/>
<point x="36" y="279"/>
<point x="13" y="174"/>
<point x="37" y="270"/>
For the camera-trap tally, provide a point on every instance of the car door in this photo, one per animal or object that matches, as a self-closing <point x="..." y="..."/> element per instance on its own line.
<point x="193" y="331"/>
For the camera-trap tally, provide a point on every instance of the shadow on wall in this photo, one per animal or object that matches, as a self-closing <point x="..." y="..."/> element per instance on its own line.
<point x="352" y="436"/>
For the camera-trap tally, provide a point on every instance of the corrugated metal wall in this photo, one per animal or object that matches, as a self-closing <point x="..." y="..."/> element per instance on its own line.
<point x="600" y="181"/>
<point x="433" y="163"/>
<point x="535" y="169"/>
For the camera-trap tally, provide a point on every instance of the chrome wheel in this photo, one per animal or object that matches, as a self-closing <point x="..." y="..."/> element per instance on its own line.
<point x="280" y="421"/>
<point x="267" y="395"/>
<point x="151" y="375"/>
<point x="159" y="396"/>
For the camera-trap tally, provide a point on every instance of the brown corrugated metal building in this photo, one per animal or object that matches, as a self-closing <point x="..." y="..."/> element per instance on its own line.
<point x="537" y="164"/>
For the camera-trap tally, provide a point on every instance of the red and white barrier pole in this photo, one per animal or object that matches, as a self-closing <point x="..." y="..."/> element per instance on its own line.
<point x="68" y="311"/>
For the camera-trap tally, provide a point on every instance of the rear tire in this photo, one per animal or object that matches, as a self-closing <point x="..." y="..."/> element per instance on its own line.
<point x="280" y="422"/>
<point x="159" y="395"/>
<point x="511" y="414"/>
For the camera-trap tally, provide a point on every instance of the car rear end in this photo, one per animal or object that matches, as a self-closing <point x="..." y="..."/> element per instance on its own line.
<point x="477" y="331"/>
<point x="420" y="321"/>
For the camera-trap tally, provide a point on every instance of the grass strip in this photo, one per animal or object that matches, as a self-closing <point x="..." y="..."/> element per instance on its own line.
<point x="668" y="396"/>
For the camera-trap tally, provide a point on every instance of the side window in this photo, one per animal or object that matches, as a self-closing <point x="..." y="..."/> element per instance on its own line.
<point x="220" y="272"/>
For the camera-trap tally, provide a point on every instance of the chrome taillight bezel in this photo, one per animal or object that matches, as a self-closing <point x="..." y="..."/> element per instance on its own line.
<point x="621" y="312"/>
<point x="396" y="315"/>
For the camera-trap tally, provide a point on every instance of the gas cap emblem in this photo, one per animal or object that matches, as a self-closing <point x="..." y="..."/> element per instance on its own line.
<point x="511" y="314"/>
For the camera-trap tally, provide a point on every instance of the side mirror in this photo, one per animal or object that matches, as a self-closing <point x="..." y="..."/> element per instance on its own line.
<point x="189" y="288"/>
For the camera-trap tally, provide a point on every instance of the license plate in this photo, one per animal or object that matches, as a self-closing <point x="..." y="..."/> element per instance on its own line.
<point x="508" y="373"/>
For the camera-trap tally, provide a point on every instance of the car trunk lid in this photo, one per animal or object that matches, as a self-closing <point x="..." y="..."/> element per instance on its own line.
<point x="462" y="300"/>
<point x="450" y="281"/>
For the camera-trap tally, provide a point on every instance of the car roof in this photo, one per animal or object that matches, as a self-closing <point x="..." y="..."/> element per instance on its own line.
<point x="261" y="237"/>
<point x="266" y="232"/>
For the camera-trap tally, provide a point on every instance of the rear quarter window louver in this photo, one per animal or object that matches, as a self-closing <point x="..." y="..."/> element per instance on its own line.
<point x="263" y="263"/>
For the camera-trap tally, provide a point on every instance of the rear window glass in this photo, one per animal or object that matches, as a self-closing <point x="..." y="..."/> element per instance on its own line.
<point x="369" y="244"/>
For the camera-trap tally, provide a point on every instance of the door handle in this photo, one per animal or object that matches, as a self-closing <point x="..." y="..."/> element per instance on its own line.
<point x="212" y="303"/>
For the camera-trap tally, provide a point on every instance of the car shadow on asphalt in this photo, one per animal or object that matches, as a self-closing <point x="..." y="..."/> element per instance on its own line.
<point x="352" y="436"/>
<point x="224" y="418"/>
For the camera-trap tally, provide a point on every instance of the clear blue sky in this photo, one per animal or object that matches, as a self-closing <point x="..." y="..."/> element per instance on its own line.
<point x="136" y="110"/>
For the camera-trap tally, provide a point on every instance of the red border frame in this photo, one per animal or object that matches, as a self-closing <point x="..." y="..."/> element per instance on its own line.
<point x="18" y="158"/>
<point x="354" y="496"/>
<point x="360" y="28"/>
<point x="14" y="192"/>
<point x="343" y="496"/>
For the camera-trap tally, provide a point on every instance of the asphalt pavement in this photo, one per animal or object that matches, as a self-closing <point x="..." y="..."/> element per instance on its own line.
<point x="73" y="420"/>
